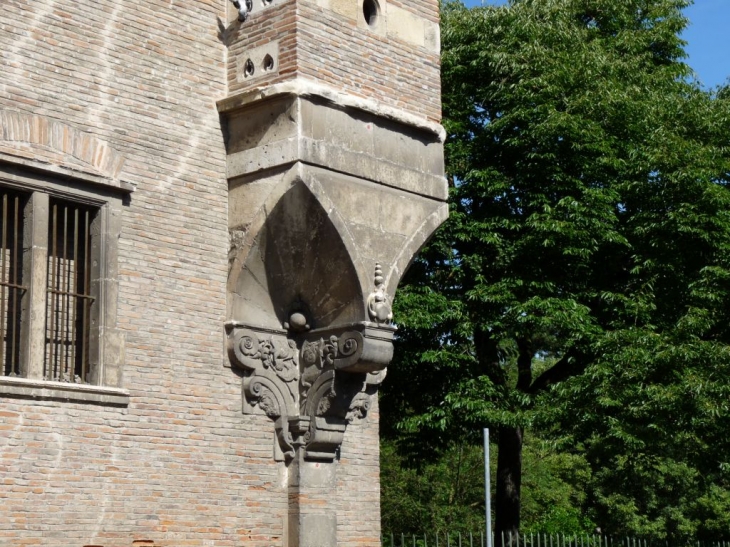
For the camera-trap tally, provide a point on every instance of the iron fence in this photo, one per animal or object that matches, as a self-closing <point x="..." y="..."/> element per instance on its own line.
<point x="470" y="539"/>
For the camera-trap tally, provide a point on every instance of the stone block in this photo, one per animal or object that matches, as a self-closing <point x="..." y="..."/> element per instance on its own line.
<point x="262" y="123"/>
<point x="405" y="25"/>
<point x="318" y="530"/>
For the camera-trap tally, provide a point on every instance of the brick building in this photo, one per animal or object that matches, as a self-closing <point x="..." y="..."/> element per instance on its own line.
<point x="203" y="221"/>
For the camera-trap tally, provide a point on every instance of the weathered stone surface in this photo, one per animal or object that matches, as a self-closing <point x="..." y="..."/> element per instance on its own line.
<point x="315" y="220"/>
<point x="328" y="204"/>
<point x="289" y="127"/>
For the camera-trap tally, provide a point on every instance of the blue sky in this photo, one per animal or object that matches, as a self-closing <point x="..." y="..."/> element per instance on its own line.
<point x="708" y="38"/>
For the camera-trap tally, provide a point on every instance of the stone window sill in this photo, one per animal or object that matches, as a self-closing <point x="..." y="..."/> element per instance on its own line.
<point x="41" y="389"/>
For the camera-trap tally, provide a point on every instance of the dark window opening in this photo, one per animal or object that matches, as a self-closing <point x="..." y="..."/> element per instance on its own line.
<point x="11" y="279"/>
<point x="370" y="10"/>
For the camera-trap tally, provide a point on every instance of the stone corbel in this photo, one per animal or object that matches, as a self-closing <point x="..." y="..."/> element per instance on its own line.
<point x="312" y="384"/>
<point x="322" y="193"/>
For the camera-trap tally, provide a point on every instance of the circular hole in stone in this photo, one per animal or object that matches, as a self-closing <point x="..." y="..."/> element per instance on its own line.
<point x="267" y="2"/>
<point x="248" y="68"/>
<point x="371" y="11"/>
<point x="268" y="63"/>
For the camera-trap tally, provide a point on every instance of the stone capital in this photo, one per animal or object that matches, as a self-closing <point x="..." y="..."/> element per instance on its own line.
<point x="312" y="384"/>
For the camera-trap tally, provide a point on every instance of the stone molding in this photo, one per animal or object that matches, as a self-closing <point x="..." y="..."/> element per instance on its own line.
<point x="42" y="389"/>
<point x="311" y="384"/>
<point x="306" y="88"/>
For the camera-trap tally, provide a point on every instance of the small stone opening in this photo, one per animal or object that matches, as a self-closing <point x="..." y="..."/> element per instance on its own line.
<point x="268" y="63"/>
<point x="267" y="2"/>
<point x="248" y="68"/>
<point x="371" y="12"/>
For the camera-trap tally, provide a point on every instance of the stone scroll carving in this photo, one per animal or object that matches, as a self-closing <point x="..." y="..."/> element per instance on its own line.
<point x="312" y="384"/>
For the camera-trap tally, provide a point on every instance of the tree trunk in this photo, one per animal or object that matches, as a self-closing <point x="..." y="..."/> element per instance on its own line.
<point x="509" y="481"/>
<point x="509" y="439"/>
<point x="509" y="460"/>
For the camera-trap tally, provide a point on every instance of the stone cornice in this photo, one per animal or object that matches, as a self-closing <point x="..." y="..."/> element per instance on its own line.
<point x="306" y="88"/>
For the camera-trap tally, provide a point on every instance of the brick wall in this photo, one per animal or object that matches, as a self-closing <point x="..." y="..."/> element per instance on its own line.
<point x="368" y="63"/>
<point x="358" y="485"/>
<point x="336" y="48"/>
<point x="275" y="24"/>
<point x="180" y="464"/>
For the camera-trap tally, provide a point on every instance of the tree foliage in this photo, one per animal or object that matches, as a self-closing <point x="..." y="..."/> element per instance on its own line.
<point x="582" y="281"/>
<point x="447" y="493"/>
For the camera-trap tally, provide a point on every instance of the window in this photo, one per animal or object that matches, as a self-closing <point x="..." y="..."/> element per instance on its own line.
<point x="69" y="298"/>
<point x="60" y="258"/>
<point x="62" y="193"/>
<point x="57" y="290"/>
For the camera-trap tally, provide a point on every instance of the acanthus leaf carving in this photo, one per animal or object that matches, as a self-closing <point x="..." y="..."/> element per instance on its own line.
<point x="264" y="397"/>
<point x="311" y="383"/>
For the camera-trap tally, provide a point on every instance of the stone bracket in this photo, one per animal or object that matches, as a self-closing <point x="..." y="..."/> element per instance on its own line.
<point x="312" y="384"/>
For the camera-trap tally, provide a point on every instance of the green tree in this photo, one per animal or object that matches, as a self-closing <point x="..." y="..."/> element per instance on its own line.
<point x="446" y="494"/>
<point x="589" y="238"/>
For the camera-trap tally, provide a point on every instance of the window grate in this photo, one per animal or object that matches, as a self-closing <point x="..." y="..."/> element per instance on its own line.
<point x="11" y="286"/>
<point x="68" y="313"/>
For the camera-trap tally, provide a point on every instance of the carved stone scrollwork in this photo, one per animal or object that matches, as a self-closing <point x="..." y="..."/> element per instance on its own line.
<point x="360" y="404"/>
<point x="292" y="432"/>
<point x="313" y="383"/>
<point x="335" y="399"/>
<point x="359" y="407"/>
<point x="272" y="365"/>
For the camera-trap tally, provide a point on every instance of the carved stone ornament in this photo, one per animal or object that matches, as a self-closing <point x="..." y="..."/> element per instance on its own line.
<point x="378" y="302"/>
<point x="311" y="383"/>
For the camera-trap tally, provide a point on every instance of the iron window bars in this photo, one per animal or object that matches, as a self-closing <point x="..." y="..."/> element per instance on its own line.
<point x="69" y="299"/>
<point x="12" y="288"/>
<point x="68" y="286"/>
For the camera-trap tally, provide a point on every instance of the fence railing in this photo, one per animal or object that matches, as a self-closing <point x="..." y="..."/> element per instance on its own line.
<point x="469" y="539"/>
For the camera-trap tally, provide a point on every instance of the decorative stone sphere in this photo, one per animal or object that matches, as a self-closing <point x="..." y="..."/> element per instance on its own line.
<point x="298" y="321"/>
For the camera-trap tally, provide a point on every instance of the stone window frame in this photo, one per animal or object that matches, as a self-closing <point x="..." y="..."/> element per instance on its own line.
<point x="43" y="182"/>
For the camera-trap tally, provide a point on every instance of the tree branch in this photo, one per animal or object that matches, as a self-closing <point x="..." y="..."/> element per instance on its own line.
<point x="568" y="366"/>
<point x="524" y="364"/>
